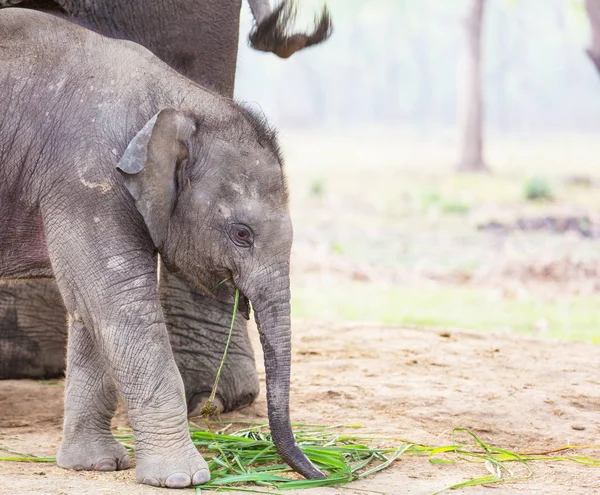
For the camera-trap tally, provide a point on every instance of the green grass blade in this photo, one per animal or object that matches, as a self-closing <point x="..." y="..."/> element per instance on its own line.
<point x="388" y="462"/>
<point x="27" y="459"/>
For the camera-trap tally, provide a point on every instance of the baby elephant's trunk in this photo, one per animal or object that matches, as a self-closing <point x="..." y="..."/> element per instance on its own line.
<point x="272" y="314"/>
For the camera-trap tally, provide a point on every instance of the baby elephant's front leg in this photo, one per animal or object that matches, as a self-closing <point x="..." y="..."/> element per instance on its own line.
<point x="112" y="287"/>
<point x="90" y="403"/>
<point x="154" y="394"/>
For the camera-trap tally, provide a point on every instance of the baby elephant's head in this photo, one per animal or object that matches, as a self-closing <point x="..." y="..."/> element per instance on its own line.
<point x="213" y="196"/>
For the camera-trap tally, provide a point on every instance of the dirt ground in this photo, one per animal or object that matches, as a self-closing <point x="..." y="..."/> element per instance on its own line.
<point x="408" y="383"/>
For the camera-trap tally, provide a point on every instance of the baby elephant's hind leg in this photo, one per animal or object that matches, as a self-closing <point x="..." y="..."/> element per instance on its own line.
<point x="90" y="403"/>
<point x="33" y="330"/>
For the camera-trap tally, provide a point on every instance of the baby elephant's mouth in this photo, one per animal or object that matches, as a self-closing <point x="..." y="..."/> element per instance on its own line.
<point x="244" y="306"/>
<point x="225" y="290"/>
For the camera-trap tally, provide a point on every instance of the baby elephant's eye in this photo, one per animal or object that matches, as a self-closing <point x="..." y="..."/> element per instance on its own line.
<point x="241" y="235"/>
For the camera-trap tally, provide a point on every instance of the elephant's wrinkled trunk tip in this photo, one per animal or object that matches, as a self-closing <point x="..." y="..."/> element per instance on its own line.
<point x="298" y="461"/>
<point x="290" y="452"/>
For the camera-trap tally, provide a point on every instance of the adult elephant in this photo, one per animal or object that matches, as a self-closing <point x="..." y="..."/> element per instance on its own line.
<point x="199" y="38"/>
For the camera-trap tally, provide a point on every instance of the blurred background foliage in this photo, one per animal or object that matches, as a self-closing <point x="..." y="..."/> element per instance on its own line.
<point x="400" y="63"/>
<point x="386" y="230"/>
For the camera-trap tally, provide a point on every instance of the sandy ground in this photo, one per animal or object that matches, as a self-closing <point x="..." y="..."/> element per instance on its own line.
<point x="415" y="384"/>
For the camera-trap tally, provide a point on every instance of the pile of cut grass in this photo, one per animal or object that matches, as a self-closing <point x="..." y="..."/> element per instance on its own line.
<point x="246" y="459"/>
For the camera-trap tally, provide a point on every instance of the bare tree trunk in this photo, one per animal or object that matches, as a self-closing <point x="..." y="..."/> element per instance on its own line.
<point x="471" y="159"/>
<point x="593" y="12"/>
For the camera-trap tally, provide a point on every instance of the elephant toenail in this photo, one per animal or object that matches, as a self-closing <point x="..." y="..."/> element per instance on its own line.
<point x="124" y="463"/>
<point x="151" y="481"/>
<point x="178" y="480"/>
<point x="106" y="465"/>
<point x="200" y="477"/>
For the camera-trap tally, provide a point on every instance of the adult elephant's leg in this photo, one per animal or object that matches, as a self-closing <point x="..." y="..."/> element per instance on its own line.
<point x="33" y="330"/>
<point x="90" y="403"/>
<point x="198" y="329"/>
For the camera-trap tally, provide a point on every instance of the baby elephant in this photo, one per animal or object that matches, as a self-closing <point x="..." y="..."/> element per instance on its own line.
<point x="108" y="156"/>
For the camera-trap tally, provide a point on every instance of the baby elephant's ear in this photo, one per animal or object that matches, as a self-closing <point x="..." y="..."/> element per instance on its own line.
<point x="150" y="167"/>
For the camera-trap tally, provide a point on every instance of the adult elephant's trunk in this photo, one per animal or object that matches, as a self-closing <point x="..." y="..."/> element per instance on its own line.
<point x="272" y="314"/>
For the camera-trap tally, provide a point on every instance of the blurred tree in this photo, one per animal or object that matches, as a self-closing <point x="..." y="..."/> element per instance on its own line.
<point x="593" y="11"/>
<point x="471" y="158"/>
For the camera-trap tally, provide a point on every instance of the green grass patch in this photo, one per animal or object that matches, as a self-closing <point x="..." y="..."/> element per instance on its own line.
<point x="455" y="207"/>
<point x="538" y="189"/>
<point x="317" y="188"/>
<point x="573" y="317"/>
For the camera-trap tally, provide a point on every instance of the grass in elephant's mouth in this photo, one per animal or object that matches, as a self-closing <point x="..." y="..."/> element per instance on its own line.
<point x="246" y="459"/>
<point x="209" y="408"/>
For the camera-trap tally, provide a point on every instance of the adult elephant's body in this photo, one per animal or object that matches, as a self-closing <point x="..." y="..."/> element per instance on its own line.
<point x="200" y="39"/>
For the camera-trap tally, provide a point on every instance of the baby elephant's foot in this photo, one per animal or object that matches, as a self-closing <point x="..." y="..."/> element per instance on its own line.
<point x="106" y="455"/>
<point x="178" y="472"/>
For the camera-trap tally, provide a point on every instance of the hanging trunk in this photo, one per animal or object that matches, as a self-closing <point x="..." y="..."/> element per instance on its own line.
<point x="272" y="314"/>
<point x="471" y="159"/>
<point x="593" y="11"/>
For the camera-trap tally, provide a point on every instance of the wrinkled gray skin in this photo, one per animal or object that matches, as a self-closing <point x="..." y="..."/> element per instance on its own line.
<point x="32" y="319"/>
<point x="108" y="156"/>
